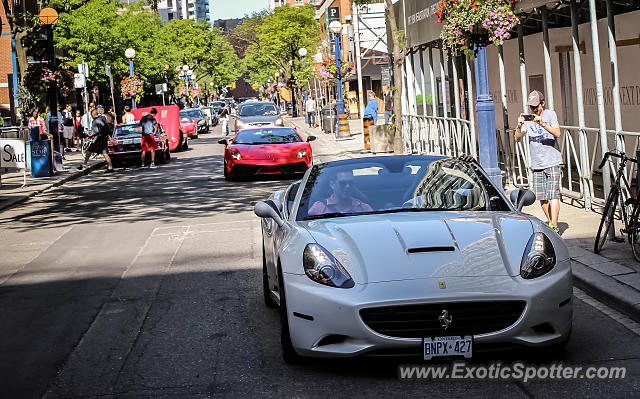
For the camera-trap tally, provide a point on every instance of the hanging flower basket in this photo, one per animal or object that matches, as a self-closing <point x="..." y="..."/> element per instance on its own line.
<point x="468" y="23"/>
<point x="328" y="69"/>
<point x="131" y="86"/>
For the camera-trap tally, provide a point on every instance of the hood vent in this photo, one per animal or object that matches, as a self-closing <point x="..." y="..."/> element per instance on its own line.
<point x="430" y="249"/>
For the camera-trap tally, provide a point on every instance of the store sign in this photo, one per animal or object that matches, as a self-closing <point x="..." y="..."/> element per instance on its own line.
<point x="13" y="154"/>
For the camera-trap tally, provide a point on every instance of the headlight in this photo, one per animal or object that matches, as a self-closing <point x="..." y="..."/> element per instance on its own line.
<point x="236" y="155"/>
<point x="279" y="122"/>
<point x="322" y="267"/>
<point x="539" y="257"/>
<point x="302" y="153"/>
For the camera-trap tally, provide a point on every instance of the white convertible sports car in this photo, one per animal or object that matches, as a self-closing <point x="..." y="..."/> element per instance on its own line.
<point x="402" y="255"/>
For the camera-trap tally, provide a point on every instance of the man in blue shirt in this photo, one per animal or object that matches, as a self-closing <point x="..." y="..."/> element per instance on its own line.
<point x="371" y="110"/>
<point x="150" y="127"/>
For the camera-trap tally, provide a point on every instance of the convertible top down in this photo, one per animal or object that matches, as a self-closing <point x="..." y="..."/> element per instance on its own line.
<point x="410" y="255"/>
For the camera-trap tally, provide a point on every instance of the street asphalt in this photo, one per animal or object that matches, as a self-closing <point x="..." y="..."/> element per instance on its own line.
<point x="147" y="283"/>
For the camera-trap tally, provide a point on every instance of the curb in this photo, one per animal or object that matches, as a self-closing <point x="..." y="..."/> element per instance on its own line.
<point x="607" y="289"/>
<point x="14" y="201"/>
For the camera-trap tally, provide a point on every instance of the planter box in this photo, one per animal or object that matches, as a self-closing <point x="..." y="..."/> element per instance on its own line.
<point x="382" y="138"/>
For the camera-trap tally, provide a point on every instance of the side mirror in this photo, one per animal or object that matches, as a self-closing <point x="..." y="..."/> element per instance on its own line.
<point x="268" y="209"/>
<point x="522" y="197"/>
<point x="311" y="138"/>
<point x="223" y="141"/>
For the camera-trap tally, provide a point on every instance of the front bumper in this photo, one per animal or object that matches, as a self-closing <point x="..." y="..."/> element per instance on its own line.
<point x="268" y="167"/>
<point x="338" y="330"/>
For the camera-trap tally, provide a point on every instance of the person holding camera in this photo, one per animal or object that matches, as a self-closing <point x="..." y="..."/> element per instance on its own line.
<point x="543" y="130"/>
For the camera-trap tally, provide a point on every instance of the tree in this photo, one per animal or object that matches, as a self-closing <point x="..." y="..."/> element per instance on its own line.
<point x="399" y="53"/>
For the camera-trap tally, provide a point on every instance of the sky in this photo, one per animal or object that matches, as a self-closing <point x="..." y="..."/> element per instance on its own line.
<point x="227" y="9"/>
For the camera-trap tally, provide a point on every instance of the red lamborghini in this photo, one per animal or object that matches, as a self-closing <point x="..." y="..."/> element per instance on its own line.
<point x="266" y="150"/>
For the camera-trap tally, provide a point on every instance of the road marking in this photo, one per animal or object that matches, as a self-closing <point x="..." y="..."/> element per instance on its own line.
<point x="610" y="312"/>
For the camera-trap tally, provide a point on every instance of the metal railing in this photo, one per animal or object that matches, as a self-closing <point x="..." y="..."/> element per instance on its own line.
<point x="580" y="149"/>
<point x="14" y="132"/>
<point x="437" y="135"/>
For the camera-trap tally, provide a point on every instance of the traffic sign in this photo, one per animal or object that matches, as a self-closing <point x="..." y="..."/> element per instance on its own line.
<point x="107" y="70"/>
<point x="79" y="81"/>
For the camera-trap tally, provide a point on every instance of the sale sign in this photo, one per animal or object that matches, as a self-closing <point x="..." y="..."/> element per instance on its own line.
<point x="13" y="154"/>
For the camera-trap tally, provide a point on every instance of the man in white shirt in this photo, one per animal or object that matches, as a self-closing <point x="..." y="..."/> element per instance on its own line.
<point x="310" y="107"/>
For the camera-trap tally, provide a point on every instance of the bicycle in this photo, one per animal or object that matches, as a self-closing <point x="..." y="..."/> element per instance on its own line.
<point x="616" y="195"/>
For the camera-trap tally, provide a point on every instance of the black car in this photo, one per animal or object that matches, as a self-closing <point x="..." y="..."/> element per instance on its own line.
<point x="195" y="115"/>
<point x="125" y="144"/>
<point x="212" y="115"/>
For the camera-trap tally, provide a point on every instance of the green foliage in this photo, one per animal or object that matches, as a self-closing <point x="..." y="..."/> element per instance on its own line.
<point x="273" y="40"/>
<point x="100" y="31"/>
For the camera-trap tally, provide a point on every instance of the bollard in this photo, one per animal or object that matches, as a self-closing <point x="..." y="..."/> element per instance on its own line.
<point x="343" y="127"/>
<point x="367" y="122"/>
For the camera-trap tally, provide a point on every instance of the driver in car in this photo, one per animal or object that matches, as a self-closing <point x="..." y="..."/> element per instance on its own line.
<point x="342" y="200"/>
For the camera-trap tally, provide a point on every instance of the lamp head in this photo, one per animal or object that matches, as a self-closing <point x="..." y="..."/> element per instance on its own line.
<point x="130" y="53"/>
<point x="302" y="52"/>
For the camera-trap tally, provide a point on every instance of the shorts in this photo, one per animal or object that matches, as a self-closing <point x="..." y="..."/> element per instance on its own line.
<point x="148" y="143"/>
<point x="68" y="132"/>
<point x="546" y="183"/>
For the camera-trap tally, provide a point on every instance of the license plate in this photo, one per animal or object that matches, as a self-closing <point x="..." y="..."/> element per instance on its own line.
<point x="448" y="346"/>
<point x="127" y="141"/>
<point x="137" y="140"/>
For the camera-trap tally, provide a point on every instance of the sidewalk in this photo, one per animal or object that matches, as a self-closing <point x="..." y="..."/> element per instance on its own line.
<point x="612" y="277"/>
<point x="332" y="149"/>
<point x="12" y="192"/>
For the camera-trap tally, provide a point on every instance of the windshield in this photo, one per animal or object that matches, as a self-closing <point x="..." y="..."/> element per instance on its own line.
<point x="267" y="136"/>
<point x="127" y="130"/>
<point x="396" y="184"/>
<point x="257" y="109"/>
<point x="191" y="114"/>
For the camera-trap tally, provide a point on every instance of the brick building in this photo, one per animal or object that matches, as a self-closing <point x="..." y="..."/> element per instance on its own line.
<point x="6" y="64"/>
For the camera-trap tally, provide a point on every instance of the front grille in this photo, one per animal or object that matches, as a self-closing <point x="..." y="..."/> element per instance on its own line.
<point x="420" y="321"/>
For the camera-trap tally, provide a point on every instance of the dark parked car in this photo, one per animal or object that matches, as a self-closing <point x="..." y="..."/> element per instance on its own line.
<point x="125" y="144"/>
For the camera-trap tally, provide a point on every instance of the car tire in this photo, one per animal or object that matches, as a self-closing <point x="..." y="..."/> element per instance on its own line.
<point x="289" y="354"/>
<point x="167" y="153"/>
<point x="266" y="290"/>
<point x="227" y="175"/>
<point x="185" y="144"/>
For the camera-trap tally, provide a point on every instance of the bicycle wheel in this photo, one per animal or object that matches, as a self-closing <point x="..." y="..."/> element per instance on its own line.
<point x="607" y="221"/>
<point x="635" y="244"/>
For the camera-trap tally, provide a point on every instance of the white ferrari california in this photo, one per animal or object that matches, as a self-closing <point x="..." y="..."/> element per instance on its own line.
<point x="410" y="255"/>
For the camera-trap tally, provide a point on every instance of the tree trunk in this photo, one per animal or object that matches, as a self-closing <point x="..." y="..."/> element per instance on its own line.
<point x="398" y="61"/>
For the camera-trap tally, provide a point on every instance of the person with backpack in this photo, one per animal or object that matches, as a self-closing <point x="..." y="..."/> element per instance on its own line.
<point x="99" y="136"/>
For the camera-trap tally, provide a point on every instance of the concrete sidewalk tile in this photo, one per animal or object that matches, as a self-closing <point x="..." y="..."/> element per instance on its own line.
<point x="611" y="268"/>
<point x="607" y="289"/>
<point x="590" y="259"/>
<point x="632" y="280"/>
<point x="577" y="251"/>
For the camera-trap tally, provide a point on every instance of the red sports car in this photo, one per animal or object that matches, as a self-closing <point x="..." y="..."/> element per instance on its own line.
<point x="266" y="150"/>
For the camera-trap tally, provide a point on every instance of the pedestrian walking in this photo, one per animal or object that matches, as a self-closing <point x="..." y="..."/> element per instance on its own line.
<point x="128" y="117"/>
<point x="79" y="130"/>
<point x="310" y="107"/>
<point x="388" y="105"/>
<point x="371" y="109"/>
<point x="99" y="137"/>
<point x="543" y="130"/>
<point x="224" y="117"/>
<point x="149" y="131"/>
<point x="68" y="130"/>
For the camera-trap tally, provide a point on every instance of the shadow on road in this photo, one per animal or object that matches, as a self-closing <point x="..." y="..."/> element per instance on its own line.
<point x="187" y="187"/>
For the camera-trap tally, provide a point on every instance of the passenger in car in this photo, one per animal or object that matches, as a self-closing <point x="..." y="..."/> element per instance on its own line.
<point x="342" y="200"/>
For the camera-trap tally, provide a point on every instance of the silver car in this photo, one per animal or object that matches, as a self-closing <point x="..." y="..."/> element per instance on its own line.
<point x="257" y="114"/>
<point x="403" y="255"/>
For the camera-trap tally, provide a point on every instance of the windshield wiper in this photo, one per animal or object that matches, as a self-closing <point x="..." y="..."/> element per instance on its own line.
<point x="332" y="215"/>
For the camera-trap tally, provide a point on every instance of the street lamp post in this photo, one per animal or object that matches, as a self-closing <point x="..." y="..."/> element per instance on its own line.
<point x="303" y="53"/>
<point x="131" y="54"/>
<point x="48" y="17"/>
<point x="336" y="28"/>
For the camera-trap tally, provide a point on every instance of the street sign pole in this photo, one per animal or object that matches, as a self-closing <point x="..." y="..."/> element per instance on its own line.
<point x="107" y="71"/>
<point x="84" y="69"/>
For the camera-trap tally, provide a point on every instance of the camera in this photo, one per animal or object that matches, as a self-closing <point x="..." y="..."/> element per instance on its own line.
<point x="529" y="117"/>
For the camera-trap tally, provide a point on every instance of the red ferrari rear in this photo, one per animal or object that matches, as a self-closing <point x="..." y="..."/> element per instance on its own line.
<point x="267" y="150"/>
